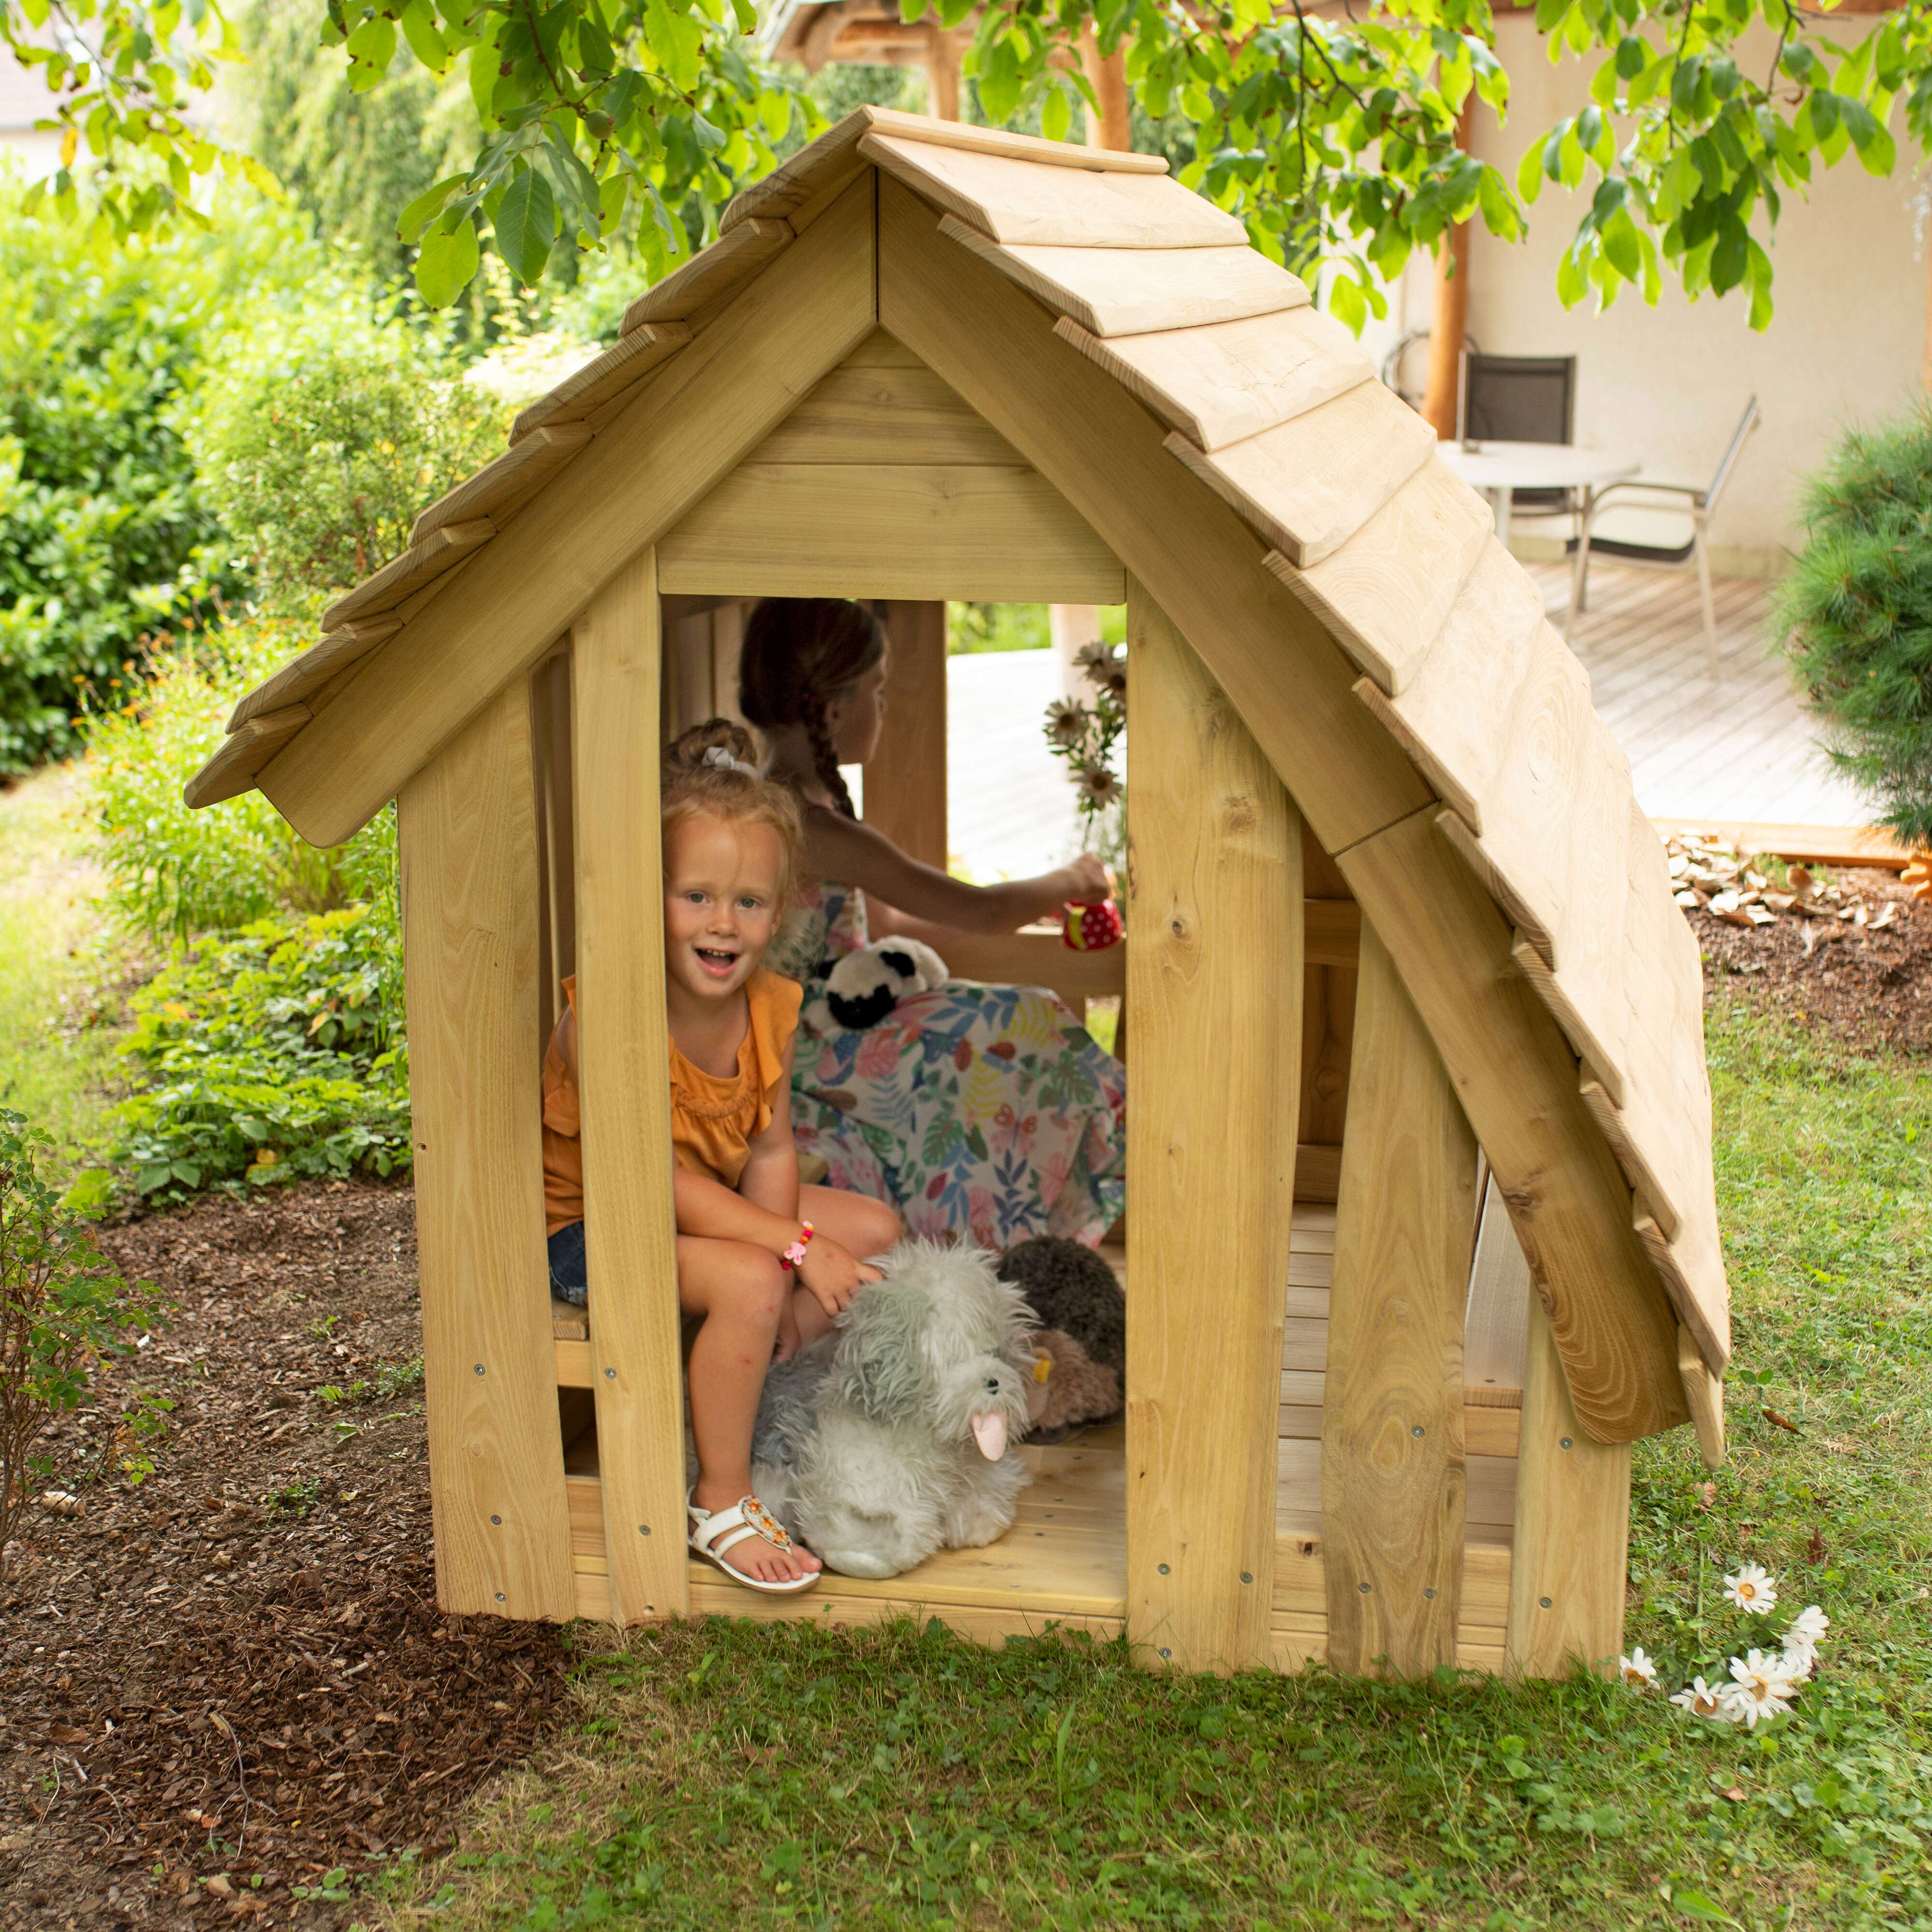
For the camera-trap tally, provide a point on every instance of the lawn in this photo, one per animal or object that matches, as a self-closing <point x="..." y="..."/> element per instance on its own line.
<point x="731" y="1775"/>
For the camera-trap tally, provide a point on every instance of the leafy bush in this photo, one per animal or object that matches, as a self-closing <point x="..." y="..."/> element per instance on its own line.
<point x="274" y="1056"/>
<point x="174" y="872"/>
<point x="325" y="432"/>
<point x="102" y="530"/>
<point x="61" y="1307"/>
<point x="1856" y="614"/>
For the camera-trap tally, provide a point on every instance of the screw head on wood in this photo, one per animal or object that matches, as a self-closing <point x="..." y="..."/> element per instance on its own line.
<point x="500" y="1596"/>
<point x="1163" y="1571"/>
<point x="1567" y="1444"/>
<point x="1364" y="1588"/>
<point x="610" y="1375"/>
<point x="1247" y="1577"/>
<point x="643" y="1529"/>
<point x="1430" y="1595"/>
<point x="1167" y="1653"/>
<point x="497" y="1521"/>
<point x="1418" y="1430"/>
<point x="1544" y="1601"/>
<point x="479" y="1368"/>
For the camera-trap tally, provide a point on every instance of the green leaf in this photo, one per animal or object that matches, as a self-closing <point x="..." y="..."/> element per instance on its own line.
<point x="1056" y="114"/>
<point x="1620" y="248"/>
<point x="1529" y="172"/>
<point x="445" y="263"/>
<point x="677" y="41"/>
<point x="425" y="43"/>
<point x="1500" y="215"/>
<point x="1731" y="257"/>
<point x="371" y="48"/>
<point x="1694" y="1905"/>
<point x="427" y="206"/>
<point x="526" y="223"/>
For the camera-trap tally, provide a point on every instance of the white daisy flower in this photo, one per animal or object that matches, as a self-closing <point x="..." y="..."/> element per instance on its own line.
<point x="1637" y="1670"/>
<point x="1807" y="1628"/>
<point x="1066" y="721"/>
<point x="1798" y="1659"/>
<point x="1704" y="1700"/>
<point x="1098" y="786"/>
<point x="1761" y="1687"/>
<point x="1752" y="1588"/>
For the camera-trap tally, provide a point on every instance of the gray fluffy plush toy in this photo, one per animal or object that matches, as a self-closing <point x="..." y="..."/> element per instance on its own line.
<point x="889" y="1439"/>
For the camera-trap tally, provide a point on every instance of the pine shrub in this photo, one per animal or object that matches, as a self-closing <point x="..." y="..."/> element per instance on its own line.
<point x="1855" y="615"/>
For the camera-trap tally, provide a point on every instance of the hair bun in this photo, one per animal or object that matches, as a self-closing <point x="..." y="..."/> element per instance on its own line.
<point x="719" y="744"/>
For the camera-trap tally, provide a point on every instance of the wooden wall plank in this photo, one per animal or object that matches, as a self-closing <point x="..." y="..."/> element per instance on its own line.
<point x="1215" y="882"/>
<point x="1572" y="1528"/>
<point x="1100" y="449"/>
<point x="905" y="783"/>
<point x="468" y="836"/>
<point x="1393" y="1477"/>
<point x="864" y="412"/>
<point x="1516" y="1077"/>
<point x="917" y="531"/>
<point x="694" y="419"/>
<point x="629" y="1223"/>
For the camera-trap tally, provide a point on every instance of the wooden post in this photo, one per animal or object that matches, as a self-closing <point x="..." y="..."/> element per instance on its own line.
<point x="467" y="825"/>
<point x="1214" y="981"/>
<point x="942" y="78"/>
<point x="629" y="1222"/>
<point x="1107" y="75"/>
<point x="1448" y="317"/>
<point x="1567" y="1568"/>
<point x="905" y="783"/>
<point x="1392" y="1459"/>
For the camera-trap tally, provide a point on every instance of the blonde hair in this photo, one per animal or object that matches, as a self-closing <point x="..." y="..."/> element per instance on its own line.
<point x="716" y="770"/>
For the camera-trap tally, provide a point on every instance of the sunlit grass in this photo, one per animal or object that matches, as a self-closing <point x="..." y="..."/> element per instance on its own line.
<point x="728" y="1774"/>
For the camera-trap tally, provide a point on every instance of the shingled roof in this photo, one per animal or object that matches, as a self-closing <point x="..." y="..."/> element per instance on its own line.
<point x="1230" y="443"/>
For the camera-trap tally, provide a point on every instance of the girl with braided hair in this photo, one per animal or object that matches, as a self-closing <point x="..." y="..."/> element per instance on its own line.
<point x="984" y="1113"/>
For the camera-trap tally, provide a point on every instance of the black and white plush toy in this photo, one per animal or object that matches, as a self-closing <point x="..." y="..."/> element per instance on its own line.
<point x="865" y="986"/>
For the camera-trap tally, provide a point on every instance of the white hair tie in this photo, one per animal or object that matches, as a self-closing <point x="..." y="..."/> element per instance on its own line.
<point x="721" y="760"/>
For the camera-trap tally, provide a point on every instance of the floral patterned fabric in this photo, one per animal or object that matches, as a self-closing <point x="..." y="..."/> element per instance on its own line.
<point x="984" y="1112"/>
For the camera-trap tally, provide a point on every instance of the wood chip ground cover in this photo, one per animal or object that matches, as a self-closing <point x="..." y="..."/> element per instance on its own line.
<point x="233" y="1679"/>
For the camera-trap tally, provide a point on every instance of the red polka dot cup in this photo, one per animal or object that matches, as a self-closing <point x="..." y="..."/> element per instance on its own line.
<point x="1091" y="928"/>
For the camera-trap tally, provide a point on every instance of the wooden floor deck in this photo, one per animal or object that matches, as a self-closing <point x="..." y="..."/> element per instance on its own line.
<point x="1741" y="747"/>
<point x="1064" y="1561"/>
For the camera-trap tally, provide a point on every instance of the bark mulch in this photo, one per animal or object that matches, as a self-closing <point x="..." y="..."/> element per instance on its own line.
<point x="1869" y="986"/>
<point x="231" y="1681"/>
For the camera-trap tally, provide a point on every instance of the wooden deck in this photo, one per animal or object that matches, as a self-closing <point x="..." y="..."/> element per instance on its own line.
<point x="1064" y="1561"/>
<point x="1743" y="748"/>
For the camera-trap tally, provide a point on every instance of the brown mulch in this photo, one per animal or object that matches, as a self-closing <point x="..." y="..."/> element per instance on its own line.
<point x="1868" y="988"/>
<point x="232" y="1680"/>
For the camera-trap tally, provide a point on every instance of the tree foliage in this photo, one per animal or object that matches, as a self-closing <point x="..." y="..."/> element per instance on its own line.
<point x="1856" y="614"/>
<point x="1334" y="138"/>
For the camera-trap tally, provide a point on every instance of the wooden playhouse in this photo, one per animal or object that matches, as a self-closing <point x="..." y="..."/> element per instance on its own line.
<point x="1420" y="1234"/>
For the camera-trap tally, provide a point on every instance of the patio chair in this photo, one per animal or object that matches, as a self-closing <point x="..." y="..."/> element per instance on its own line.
<point x="1522" y="399"/>
<point x="1699" y="504"/>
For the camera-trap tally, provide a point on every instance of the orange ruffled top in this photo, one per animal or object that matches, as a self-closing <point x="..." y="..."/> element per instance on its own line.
<point x="713" y="1119"/>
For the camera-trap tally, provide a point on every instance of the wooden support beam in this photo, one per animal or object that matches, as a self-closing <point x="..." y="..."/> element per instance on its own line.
<point x="1516" y="1078"/>
<point x="905" y="783"/>
<point x="467" y="829"/>
<point x="1449" y="315"/>
<point x="1215" y="886"/>
<point x="944" y="80"/>
<point x="1572" y="1528"/>
<point x="696" y="418"/>
<point x="629" y="1222"/>
<point x="1107" y="75"/>
<point x="1393" y="1473"/>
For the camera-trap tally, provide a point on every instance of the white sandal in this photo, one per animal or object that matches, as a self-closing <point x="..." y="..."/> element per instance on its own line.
<point x="713" y="1533"/>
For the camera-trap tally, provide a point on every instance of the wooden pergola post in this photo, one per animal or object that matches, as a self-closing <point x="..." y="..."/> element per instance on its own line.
<point x="1448" y="317"/>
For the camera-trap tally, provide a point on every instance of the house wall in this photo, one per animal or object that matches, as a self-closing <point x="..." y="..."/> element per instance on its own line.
<point x="24" y="100"/>
<point x="1668" y="384"/>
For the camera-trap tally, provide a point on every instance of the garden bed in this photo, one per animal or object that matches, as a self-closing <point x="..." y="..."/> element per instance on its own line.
<point x="236" y="1672"/>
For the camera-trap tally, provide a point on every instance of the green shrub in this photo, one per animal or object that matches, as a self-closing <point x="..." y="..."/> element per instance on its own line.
<point x="1856" y="614"/>
<point x="325" y="432"/>
<point x="104" y="536"/>
<point x="61" y="1308"/>
<point x="273" y="1054"/>
<point x="174" y="872"/>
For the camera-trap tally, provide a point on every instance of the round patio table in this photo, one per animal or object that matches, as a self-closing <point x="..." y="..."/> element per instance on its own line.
<point x="1496" y="468"/>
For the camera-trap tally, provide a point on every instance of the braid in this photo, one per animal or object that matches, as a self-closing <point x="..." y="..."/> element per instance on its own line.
<point x="824" y="759"/>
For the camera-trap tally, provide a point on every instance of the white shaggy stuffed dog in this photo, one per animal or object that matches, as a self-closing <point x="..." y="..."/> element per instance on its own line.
<point x="887" y="1439"/>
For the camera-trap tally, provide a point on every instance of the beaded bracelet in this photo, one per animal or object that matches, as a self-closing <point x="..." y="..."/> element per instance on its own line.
<point x="793" y="1257"/>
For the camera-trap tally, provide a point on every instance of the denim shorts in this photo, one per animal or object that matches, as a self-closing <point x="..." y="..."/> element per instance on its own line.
<point x="569" y="1276"/>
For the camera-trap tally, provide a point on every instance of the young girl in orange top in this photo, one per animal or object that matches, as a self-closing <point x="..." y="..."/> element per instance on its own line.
<point x="763" y="1262"/>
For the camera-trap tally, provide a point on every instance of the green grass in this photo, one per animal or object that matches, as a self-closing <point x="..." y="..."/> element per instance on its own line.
<point x="729" y="1774"/>
<point x="59" y="965"/>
